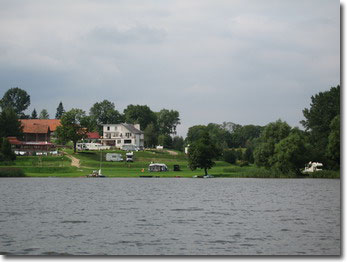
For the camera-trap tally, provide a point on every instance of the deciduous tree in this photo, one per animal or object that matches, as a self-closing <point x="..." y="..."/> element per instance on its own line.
<point x="168" y="121"/>
<point x="16" y="98"/>
<point x="324" y="107"/>
<point x="151" y="136"/>
<point x="272" y="134"/>
<point x="71" y="128"/>
<point x="333" y="148"/>
<point x="202" y="152"/>
<point x="140" y="114"/>
<point x="9" y="123"/>
<point x="291" y="153"/>
<point x="104" y="113"/>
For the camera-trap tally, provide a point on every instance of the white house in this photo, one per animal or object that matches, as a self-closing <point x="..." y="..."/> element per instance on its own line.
<point x="120" y="135"/>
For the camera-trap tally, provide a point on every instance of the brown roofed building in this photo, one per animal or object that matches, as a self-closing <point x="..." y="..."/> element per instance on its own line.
<point x="52" y="123"/>
<point x="39" y="130"/>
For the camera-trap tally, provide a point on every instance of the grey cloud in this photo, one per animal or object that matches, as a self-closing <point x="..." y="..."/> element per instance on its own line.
<point x="132" y="35"/>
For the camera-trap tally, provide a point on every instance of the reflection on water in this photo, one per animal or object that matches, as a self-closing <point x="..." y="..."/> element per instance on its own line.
<point x="173" y="216"/>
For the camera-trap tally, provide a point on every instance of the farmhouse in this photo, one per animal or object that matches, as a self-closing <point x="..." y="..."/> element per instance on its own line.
<point x="39" y="130"/>
<point x="123" y="135"/>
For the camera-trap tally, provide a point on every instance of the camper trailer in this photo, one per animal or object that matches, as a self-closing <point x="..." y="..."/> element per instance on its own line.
<point x="114" y="157"/>
<point x="312" y="167"/>
<point x="156" y="167"/>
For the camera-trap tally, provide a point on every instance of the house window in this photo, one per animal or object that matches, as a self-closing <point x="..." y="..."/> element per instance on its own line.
<point x="108" y="128"/>
<point x="119" y="141"/>
<point x="127" y="141"/>
<point x="117" y="134"/>
<point x="128" y="135"/>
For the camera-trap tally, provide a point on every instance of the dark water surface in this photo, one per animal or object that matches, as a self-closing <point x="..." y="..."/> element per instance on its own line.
<point x="173" y="216"/>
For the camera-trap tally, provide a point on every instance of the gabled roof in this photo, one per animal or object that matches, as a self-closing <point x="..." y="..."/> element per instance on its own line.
<point x="35" y="128"/>
<point x="132" y="129"/>
<point x="52" y="123"/>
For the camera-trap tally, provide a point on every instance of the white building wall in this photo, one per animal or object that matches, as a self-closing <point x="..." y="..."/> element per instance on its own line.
<point x="117" y="133"/>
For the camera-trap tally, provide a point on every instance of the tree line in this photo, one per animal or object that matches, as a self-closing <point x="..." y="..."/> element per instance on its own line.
<point x="276" y="146"/>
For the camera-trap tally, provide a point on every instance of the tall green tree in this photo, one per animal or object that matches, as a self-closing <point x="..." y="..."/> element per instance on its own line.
<point x="9" y="123"/>
<point x="16" y="98"/>
<point x="165" y="141"/>
<point x="151" y="136"/>
<point x="71" y="128"/>
<point x="60" y="111"/>
<point x="202" y="152"/>
<point x="105" y="113"/>
<point x="44" y="114"/>
<point x="333" y="147"/>
<point x="168" y="121"/>
<point x="272" y="134"/>
<point x="219" y="135"/>
<point x="6" y="153"/>
<point x="34" y="114"/>
<point x="242" y="135"/>
<point x="324" y="107"/>
<point x="140" y="114"/>
<point x="178" y="143"/>
<point x="195" y="133"/>
<point x="291" y="153"/>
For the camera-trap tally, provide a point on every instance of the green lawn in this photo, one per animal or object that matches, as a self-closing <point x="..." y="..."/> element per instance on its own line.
<point x="60" y="166"/>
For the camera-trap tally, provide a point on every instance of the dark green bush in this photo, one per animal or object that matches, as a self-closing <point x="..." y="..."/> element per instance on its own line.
<point x="11" y="172"/>
<point x="229" y="156"/>
<point x="242" y="163"/>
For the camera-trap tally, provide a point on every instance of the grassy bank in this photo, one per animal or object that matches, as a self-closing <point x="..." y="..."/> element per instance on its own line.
<point x="60" y="166"/>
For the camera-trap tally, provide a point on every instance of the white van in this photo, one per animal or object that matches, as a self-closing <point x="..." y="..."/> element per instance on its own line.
<point x="130" y="157"/>
<point x="114" y="157"/>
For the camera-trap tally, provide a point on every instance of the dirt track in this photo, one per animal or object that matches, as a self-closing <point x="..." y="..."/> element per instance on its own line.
<point x="74" y="161"/>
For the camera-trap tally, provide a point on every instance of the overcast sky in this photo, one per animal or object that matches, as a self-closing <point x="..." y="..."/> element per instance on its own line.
<point x="248" y="62"/>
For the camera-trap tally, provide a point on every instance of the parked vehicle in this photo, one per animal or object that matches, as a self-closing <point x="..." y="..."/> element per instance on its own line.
<point x="91" y="146"/>
<point x="312" y="167"/>
<point x="157" y="167"/>
<point x="130" y="157"/>
<point x="114" y="157"/>
<point x="130" y="148"/>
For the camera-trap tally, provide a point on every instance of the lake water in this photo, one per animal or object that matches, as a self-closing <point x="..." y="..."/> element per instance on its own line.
<point x="169" y="216"/>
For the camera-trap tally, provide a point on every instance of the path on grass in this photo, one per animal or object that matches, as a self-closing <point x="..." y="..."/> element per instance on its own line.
<point x="173" y="153"/>
<point x="74" y="161"/>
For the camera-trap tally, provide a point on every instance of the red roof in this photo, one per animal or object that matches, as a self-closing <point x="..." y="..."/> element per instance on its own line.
<point x="35" y="128"/>
<point x="51" y="123"/>
<point x="93" y="135"/>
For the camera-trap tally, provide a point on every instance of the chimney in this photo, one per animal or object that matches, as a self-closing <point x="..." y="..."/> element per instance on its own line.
<point x="137" y="126"/>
